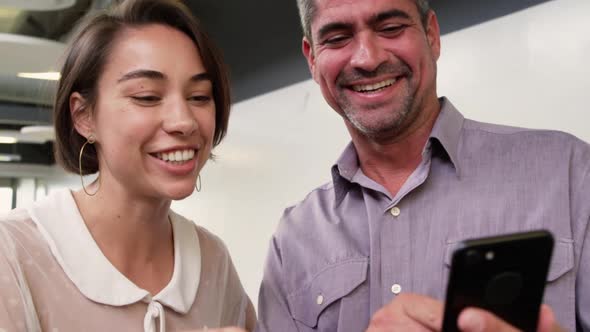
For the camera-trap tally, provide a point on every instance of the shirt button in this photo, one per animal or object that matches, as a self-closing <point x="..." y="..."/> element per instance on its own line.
<point x="395" y="211"/>
<point x="396" y="289"/>
<point x="319" y="300"/>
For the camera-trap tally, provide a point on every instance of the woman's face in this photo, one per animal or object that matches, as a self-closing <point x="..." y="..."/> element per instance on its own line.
<point x="154" y="118"/>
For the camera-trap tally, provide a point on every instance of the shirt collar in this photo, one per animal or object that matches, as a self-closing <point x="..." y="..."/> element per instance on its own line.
<point x="447" y="131"/>
<point x="59" y="221"/>
<point x="343" y="171"/>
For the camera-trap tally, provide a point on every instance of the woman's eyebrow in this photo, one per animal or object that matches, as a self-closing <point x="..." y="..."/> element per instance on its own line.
<point x="142" y="73"/>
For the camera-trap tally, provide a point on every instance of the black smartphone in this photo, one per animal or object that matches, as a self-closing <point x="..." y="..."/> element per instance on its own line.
<point x="504" y="274"/>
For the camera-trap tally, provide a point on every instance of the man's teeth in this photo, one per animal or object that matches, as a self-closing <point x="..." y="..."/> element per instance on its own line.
<point x="178" y="155"/>
<point x="373" y="87"/>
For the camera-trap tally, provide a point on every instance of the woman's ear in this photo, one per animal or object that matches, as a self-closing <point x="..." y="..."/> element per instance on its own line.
<point x="81" y="115"/>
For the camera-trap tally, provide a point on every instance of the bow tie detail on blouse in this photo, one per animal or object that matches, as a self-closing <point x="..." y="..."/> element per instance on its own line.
<point x="154" y="312"/>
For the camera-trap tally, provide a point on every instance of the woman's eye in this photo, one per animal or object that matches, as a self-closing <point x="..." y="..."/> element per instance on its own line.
<point x="200" y="99"/>
<point x="146" y="99"/>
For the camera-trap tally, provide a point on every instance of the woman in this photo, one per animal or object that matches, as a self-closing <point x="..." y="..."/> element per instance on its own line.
<point x="142" y="100"/>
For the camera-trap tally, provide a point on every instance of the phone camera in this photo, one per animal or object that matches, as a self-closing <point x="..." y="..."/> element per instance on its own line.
<point x="472" y="257"/>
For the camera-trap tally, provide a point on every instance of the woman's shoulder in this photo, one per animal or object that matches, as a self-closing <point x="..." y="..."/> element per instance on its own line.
<point x="15" y="215"/>
<point x="210" y="244"/>
<point x="17" y="226"/>
<point x="20" y="239"/>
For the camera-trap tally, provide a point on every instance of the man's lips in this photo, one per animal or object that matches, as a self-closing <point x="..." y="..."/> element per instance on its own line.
<point x="373" y="87"/>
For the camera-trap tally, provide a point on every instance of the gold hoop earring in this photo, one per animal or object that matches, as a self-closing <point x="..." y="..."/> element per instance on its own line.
<point x="198" y="184"/>
<point x="89" y="140"/>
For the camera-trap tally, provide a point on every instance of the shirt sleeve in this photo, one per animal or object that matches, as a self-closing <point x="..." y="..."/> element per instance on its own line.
<point x="582" y="279"/>
<point x="238" y="310"/>
<point x="581" y="211"/>
<point x="241" y="314"/>
<point x="273" y="308"/>
<point x="583" y="286"/>
<point x="17" y="311"/>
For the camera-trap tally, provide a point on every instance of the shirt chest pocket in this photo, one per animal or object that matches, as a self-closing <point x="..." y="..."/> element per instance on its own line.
<point x="326" y="291"/>
<point x="562" y="260"/>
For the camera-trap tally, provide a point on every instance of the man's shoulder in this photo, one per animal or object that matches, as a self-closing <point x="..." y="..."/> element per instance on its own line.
<point x="316" y="240"/>
<point x="317" y="200"/>
<point x="316" y="208"/>
<point x="506" y="130"/>
<point x="520" y="137"/>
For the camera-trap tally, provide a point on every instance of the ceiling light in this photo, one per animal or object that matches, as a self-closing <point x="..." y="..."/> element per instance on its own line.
<point x="7" y="140"/>
<point x="38" y="4"/>
<point x="5" y="157"/>
<point x="51" y="75"/>
<point x="9" y="13"/>
<point x="37" y="133"/>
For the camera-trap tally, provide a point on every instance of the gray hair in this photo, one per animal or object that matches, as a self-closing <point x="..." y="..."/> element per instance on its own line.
<point x="307" y="11"/>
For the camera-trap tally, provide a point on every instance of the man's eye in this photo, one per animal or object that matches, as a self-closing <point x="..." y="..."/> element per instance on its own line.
<point x="393" y="29"/>
<point x="336" y="40"/>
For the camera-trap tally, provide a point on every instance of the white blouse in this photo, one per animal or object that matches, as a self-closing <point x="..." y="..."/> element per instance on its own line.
<point x="54" y="277"/>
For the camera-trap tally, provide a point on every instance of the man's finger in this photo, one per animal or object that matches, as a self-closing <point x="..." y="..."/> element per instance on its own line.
<point x="478" y="320"/>
<point x="425" y="311"/>
<point x="221" y="329"/>
<point x="547" y="321"/>
<point x="408" y="312"/>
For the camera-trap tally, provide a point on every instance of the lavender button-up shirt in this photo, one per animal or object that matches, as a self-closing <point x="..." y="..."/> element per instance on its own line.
<point x="350" y="246"/>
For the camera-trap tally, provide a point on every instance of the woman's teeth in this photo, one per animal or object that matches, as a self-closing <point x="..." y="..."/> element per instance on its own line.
<point x="373" y="87"/>
<point x="177" y="156"/>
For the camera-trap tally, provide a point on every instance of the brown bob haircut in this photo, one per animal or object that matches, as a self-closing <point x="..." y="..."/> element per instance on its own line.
<point x="88" y="51"/>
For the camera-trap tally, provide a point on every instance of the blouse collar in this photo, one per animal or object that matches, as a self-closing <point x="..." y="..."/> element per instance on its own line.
<point x="61" y="224"/>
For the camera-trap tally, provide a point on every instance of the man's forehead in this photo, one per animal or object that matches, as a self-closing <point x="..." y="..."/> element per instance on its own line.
<point x="351" y="10"/>
<point x="364" y="3"/>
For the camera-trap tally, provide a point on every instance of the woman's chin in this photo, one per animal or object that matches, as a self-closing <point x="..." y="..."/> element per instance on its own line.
<point x="180" y="192"/>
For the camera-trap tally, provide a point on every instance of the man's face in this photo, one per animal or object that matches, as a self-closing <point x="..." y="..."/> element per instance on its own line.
<point x="374" y="61"/>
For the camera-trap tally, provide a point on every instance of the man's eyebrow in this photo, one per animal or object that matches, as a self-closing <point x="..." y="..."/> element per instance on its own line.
<point x="142" y="73"/>
<point x="394" y="13"/>
<point x="326" y="29"/>
<point x="380" y="17"/>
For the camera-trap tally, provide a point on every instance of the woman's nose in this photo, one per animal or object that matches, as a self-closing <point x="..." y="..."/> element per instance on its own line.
<point x="179" y="119"/>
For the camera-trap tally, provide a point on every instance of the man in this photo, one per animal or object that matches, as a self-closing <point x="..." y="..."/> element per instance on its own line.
<point x="417" y="178"/>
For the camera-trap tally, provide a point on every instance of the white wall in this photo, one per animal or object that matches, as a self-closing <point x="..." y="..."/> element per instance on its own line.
<point x="527" y="69"/>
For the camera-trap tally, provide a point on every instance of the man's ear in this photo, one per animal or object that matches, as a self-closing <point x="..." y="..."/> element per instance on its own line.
<point x="307" y="49"/>
<point x="433" y="34"/>
<point x="81" y="115"/>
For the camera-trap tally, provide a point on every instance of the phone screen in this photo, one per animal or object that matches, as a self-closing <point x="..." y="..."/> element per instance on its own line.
<point x="502" y="274"/>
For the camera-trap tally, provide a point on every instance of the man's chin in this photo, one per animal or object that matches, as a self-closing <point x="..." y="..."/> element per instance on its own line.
<point x="378" y="127"/>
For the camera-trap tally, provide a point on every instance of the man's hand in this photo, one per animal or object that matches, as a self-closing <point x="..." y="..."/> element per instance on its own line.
<point x="408" y="312"/>
<point x="412" y="312"/>
<point x="221" y="329"/>
<point x="477" y="320"/>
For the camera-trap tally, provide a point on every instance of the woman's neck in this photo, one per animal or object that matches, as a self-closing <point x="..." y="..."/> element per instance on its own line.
<point x="134" y="233"/>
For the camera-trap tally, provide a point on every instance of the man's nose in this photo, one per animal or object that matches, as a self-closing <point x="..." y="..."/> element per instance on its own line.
<point x="368" y="53"/>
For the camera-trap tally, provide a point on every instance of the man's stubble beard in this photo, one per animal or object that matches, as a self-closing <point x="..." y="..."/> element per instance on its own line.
<point x="387" y="126"/>
<point x="372" y="121"/>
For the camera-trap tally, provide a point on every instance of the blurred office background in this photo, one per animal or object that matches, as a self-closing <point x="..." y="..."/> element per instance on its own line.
<point x="517" y="62"/>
